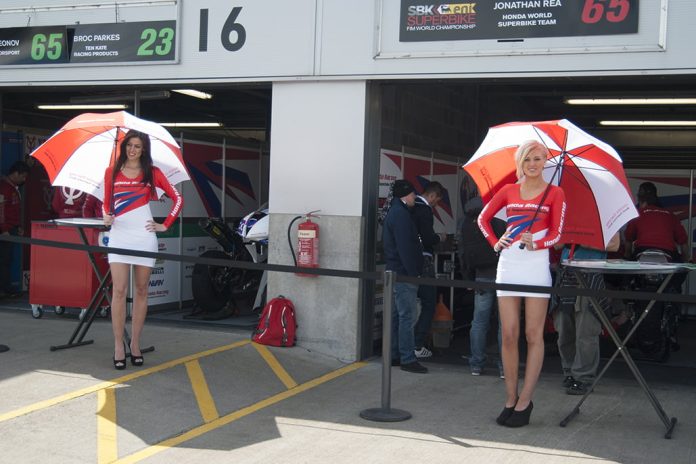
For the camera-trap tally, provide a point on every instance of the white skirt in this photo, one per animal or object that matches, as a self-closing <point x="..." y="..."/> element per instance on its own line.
<point x="128" y="231"/>
<point x="523" y="267"/>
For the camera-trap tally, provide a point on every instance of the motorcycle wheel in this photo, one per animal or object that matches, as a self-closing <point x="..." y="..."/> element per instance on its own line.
<point x="211" y="285"/>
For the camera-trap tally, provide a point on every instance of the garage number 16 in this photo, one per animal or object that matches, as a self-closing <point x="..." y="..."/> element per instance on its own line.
<point x="232" y="35"/>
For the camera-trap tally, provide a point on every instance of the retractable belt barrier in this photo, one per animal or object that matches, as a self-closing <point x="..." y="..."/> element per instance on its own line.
<point x="465" y="284"/>
<point x="384" y="413"/>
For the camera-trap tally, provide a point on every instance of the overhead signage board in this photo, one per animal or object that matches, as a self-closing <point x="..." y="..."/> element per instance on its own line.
<point x="33" y="45"/>
<point x="131" y="42"/>
<point x="423" y="21"/>
<point x="124" y="42"/>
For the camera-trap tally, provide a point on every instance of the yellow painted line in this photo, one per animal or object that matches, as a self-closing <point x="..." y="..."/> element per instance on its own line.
<point x="205" y="400"/>
<point x="233" y="416"/>
<point x="120" y="380"/>
<point x="107" y="449"/>
<point x="273" y="363"/>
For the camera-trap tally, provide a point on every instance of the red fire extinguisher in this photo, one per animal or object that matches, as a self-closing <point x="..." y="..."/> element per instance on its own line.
<point x="308" y="244"/>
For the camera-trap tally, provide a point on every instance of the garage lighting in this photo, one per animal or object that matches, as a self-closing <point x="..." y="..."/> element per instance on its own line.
<point x="194" y="93"/>
<point x="647" y="123"/>
<point x="631" y="101"/>
<point x="190" y="124"/>
<point x="112" y="98"/>
<point x="83" y="107"/>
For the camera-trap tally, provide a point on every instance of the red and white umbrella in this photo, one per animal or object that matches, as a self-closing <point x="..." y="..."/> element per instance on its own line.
<point x="78" y="154"/>
<point x="589" y="171"/>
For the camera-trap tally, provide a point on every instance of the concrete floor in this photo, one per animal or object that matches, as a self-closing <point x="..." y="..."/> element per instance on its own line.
<point x="207" y="395"/>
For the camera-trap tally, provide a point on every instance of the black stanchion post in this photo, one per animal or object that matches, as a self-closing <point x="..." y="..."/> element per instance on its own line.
<point x="386" y="413"/>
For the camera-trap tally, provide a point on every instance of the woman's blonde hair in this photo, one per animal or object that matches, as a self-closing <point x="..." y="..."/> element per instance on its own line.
<point x="525" y="149"/>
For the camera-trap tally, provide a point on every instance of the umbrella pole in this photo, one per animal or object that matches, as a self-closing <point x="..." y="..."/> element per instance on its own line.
<point x="543" y="197"/>
<point x="113" y="176"/>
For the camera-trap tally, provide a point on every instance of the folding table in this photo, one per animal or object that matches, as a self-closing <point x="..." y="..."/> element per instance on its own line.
<point x="85" y="228"/>
<point x="582" y="267"/>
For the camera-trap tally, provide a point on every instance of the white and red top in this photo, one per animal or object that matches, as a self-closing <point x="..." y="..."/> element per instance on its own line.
<point x="546" y="226"/>
<point x="131" y="194"/>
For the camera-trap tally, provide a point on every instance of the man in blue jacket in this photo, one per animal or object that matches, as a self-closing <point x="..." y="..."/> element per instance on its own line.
<point x="404" y="255"/>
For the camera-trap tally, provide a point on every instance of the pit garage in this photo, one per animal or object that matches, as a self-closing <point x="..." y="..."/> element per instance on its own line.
<point x="346" y="107"/>
<point x="431" y="127"/>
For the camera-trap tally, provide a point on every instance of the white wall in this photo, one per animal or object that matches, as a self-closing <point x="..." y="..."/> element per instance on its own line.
<point x="318" y="151"/>
<point x="317" y="146"/>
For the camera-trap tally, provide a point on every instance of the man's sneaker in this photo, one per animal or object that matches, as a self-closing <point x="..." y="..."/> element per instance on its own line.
<point x="577" y="388"/>
<point x="476" y="370"/>
<point x="414" y="367"/>
<point x="568" y="381"/>
<point x="423" y="353"/>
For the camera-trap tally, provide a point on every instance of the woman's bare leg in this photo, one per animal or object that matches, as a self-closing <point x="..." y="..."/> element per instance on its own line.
<point x="535" y="310"/>
<point x="119" y="290"/>
<point x="142" y="285"/>
<point x="509" y="312"/>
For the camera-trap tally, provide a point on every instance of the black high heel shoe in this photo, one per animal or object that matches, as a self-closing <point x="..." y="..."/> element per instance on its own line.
<point x="136" y="360"/>
<point x="505" y="414"/>
<point x="519" y="418"/>
<point x="119" y="364"/>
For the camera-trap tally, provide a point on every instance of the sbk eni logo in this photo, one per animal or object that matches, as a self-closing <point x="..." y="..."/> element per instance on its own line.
<point x="420" y="10"/>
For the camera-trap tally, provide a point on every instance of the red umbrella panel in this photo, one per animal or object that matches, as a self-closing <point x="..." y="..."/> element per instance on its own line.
<point x="589" y="171"/>
<point x="78" y="154"/>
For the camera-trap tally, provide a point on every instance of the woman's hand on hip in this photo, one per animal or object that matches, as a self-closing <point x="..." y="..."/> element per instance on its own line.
<point x="153" y="226"/>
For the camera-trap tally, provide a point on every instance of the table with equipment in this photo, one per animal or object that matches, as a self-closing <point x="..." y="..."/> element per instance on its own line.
<point x="582" y="267"/>
<point x="71" y="278"/>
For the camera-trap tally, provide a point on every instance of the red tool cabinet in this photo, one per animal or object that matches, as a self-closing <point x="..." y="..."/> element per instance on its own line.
<point x="59" y="276"/>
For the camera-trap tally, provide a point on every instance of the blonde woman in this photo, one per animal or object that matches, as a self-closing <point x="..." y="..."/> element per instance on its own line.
<point x="535" y="212"/>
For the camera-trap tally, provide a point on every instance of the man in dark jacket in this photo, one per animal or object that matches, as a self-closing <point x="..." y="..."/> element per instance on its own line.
<point x="423" y="217"/>
<point x="403" y="255"/>
<point x="479" y="262"/>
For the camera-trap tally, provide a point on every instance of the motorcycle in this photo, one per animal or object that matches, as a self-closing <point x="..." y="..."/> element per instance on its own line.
<point x="656" y="337"/>
<point x="217" y="289"/>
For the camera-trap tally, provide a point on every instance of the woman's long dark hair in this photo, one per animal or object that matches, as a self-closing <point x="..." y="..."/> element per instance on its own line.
<point x="145" y="158"/>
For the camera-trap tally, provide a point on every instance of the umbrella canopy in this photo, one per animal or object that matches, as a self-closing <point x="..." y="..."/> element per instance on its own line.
<point x="589" y="171"/>
<point x="78" y="154"/>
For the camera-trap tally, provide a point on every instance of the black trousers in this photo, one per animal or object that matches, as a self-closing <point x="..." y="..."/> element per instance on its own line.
<point x="6" y="252"/>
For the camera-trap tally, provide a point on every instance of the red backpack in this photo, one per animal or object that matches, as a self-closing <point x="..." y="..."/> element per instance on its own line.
<point x="277" y="324"/>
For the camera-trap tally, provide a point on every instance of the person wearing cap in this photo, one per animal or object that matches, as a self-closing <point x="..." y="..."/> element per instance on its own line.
<point x="655" y="227"/>
<point x="424" y="219"/>
<point x="403" y="255"/>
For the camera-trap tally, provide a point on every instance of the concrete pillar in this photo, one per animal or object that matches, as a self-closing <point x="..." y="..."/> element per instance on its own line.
<point x="317" y="163"/>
